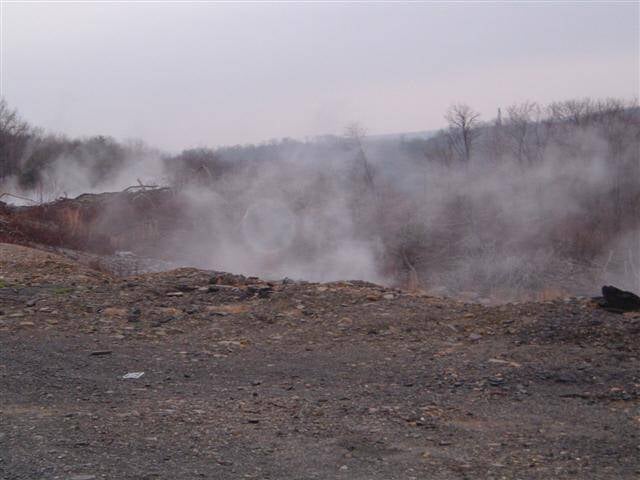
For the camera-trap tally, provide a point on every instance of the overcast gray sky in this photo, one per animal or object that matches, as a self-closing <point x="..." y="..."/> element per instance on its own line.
<point x="192" y="74"/>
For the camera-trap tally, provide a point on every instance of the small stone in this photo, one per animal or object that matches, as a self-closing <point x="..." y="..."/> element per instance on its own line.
<point x="185" y="288"/>
<point x="82" y="477"/>
<point x="174" y="294"/>
<point x="162" y="321"/>
<point x="474" y="337"/>
<point x="389" y="296"/>
<point x="98" y="353"/>
<point x="134" y="316"/>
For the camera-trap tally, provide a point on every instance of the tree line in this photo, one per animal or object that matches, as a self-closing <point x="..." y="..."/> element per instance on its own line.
<point x="478" y="204"/>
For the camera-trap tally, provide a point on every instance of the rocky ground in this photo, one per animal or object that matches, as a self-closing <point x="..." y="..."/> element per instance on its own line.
<point x="289" y="380"/>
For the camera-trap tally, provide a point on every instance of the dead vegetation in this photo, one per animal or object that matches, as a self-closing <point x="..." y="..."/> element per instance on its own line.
<point x="132" y="219"/>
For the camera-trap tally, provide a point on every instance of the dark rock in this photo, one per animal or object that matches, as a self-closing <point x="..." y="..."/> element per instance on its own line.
<point x="615" y="300"/>
<point x="496" y="381"/>
<point x="223" y="288"/>
<point x="162" y="321"/>
<point x="185" y="288"/>
<point x="262" y="291"/>
<point x="98" y="353"/>
<point x="134" y="316"/>
<point x="566" y="377"/>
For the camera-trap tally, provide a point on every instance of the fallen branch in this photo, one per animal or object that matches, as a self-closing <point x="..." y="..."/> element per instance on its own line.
<point x="6" y="194"/>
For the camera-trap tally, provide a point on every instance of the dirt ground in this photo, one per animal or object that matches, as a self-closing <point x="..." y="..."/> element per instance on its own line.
<point x="289" y="380"/>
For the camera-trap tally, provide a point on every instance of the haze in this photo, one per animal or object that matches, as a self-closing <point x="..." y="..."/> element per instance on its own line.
<point x="187" y="74"/>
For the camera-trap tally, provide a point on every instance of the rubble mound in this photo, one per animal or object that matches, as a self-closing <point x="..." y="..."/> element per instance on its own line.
<point x="133" y="219"/>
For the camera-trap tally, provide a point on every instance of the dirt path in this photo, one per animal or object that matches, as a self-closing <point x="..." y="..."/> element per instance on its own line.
<point x="244" y="379"/>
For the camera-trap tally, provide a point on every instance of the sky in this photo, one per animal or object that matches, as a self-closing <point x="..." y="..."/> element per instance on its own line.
<point x="191" y="74"/>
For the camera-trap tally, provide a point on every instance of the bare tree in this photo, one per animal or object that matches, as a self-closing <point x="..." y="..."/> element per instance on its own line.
<point x="14" y="133"/>
<point x="495" y="144"/>
<point x="576" y="112"/>
<point x="463" y="129"/>
<point x="439" y="149"/>
<point x="524" y="130"/>
<point x="356" y="133"/>
<point x="10" y="122"/>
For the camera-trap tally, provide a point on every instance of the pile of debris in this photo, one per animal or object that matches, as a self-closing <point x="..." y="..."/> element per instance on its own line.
<point x="102" y="223"/>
